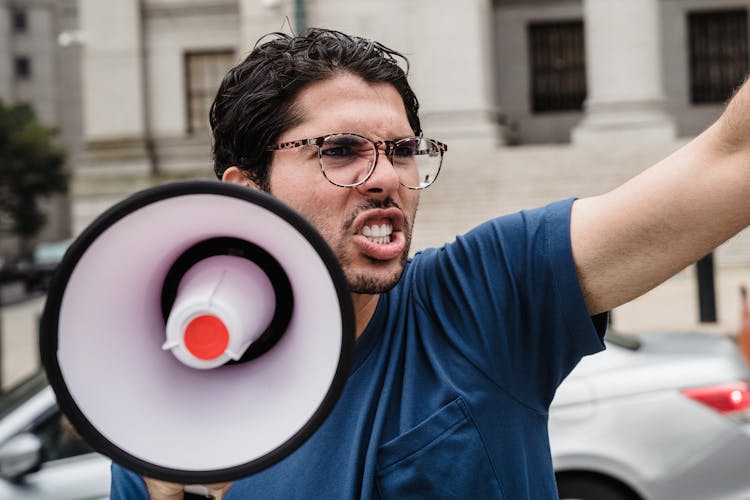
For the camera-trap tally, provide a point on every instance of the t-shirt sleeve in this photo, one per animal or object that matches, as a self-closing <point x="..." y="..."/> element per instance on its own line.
<point x="126" y="485"/>
<point x="507" y="296"/>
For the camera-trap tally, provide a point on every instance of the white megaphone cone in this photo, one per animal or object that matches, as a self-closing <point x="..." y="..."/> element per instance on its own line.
<point x="151" y="324"/>
<point x="223" y="304"/>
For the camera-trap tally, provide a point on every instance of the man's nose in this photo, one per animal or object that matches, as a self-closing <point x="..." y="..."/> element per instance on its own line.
<point x="383" y="181"/>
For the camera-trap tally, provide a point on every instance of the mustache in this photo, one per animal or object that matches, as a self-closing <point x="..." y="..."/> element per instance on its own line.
<point x="371" y="204"/>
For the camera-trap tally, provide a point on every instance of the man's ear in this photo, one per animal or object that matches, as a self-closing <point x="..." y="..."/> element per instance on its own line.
<point x="238" y="176"/>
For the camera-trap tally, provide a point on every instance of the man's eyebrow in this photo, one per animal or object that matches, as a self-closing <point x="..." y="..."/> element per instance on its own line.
<point x="392" y="138"/>
<point x="410" y="136"/>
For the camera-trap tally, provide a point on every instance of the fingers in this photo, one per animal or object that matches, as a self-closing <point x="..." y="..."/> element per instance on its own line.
<point x="162" y="490"/>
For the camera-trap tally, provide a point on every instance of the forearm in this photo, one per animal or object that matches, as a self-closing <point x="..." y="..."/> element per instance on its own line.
<point x="631" y="239"/>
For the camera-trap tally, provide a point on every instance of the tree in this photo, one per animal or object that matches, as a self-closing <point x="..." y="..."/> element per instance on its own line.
<point x="32" y="166"/>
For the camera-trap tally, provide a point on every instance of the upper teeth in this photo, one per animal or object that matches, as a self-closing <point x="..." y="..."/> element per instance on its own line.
<point x="378" y="231"/>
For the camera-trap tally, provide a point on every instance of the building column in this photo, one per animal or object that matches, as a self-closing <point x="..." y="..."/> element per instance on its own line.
<point x="624" y="74"/>
<point x="115" y="160"/>
<point x="114" y="121"/>
<point x="452" y="71"/>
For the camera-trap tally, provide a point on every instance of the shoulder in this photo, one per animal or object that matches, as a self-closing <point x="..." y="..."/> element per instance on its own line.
<point x="509" y="240"/>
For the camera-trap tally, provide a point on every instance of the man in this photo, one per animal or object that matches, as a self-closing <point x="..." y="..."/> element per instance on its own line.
<point x="460" y="349"/>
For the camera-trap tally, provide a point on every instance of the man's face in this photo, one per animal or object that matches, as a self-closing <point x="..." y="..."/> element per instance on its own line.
<point x="350" y="219"/>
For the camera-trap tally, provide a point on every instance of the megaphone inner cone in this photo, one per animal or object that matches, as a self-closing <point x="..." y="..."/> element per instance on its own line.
<point x="241" y="286"/>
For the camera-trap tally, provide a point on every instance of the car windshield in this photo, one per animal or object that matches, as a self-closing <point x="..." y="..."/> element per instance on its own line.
<point x="50" y="253"/>
<point x="22" y="392"/>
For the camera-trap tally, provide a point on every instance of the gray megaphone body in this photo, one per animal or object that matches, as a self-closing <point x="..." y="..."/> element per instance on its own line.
<point x="198" y="332"/>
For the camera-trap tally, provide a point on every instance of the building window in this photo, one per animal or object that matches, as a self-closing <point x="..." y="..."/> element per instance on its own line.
<point x="204" y="71"/>
<point x="19" y="21"/>
<point x="22" y="68"/>
<point x="558" y="66"/>
<point x="718" y="53"/>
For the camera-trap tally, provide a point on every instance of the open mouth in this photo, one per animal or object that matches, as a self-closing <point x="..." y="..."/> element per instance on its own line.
<point x="378" y="233"/>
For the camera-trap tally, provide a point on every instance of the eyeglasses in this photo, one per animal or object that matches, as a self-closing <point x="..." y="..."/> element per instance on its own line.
<point x="348" y="160"/>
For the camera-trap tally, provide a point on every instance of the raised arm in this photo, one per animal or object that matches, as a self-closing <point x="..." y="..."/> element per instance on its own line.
<point x="634" y="237"/>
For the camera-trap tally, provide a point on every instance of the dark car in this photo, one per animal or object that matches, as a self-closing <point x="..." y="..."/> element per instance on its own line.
<point x="37" y="271"/>
<point x="6" y="270"/>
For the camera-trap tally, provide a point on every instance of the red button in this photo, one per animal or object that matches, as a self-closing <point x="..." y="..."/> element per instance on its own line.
<point x="206" y="337"/>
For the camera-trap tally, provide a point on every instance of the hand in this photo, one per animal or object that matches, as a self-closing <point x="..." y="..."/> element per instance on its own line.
<point x="163" y="490"/>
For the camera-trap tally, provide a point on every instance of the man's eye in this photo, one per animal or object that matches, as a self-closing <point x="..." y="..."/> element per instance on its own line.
<point x="342" y="151"/>
<point x="406" y="148"/>
<point x="404" y="151"/>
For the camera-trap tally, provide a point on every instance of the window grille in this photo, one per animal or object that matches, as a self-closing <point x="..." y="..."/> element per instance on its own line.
<point x="204" y="71"/>
<point x="19" y="21"/>
<point x="22" y="68"/>
<point x="558" y="66"/>
<point x="718" y="53"/>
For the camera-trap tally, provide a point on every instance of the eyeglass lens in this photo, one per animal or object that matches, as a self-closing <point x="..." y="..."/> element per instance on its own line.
<point x="347" y="160"/>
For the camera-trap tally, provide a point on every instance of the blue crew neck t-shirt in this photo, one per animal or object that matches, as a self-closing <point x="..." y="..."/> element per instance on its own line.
<point x="452" y="379"/>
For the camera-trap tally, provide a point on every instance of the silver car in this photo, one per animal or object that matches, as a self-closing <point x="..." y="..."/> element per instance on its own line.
<point x="41" y="455"/>
<point x="661" y="417"/>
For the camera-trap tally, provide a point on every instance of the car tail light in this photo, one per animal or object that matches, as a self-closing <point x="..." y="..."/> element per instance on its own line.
<point x="725" y="398"/>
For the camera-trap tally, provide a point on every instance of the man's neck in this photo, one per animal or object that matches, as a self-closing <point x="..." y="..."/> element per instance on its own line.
<point x="364" y="308"/>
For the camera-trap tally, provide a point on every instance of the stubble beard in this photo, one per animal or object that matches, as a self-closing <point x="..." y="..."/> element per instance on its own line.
<point x="367" y="283"/>
<point x="362" y="283"/>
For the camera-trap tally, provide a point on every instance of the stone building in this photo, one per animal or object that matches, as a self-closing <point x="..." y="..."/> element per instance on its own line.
<point x="506" y="77"/>
<point x="537" y="99"/>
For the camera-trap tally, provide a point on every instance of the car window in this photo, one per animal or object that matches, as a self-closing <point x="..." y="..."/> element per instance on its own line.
<point x="50" y="253"/>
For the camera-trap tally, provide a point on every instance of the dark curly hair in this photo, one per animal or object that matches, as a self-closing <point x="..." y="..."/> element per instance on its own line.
<point x="254" y="104"/>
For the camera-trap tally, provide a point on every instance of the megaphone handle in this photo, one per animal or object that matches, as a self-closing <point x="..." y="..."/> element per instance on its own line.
<point x="189" y="495"/>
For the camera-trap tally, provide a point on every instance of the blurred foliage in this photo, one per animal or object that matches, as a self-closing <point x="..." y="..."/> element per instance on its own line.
<point x="32" y="166"/>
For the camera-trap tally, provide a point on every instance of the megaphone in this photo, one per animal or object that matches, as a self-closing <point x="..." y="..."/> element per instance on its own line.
<point x="197" y="332"/>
